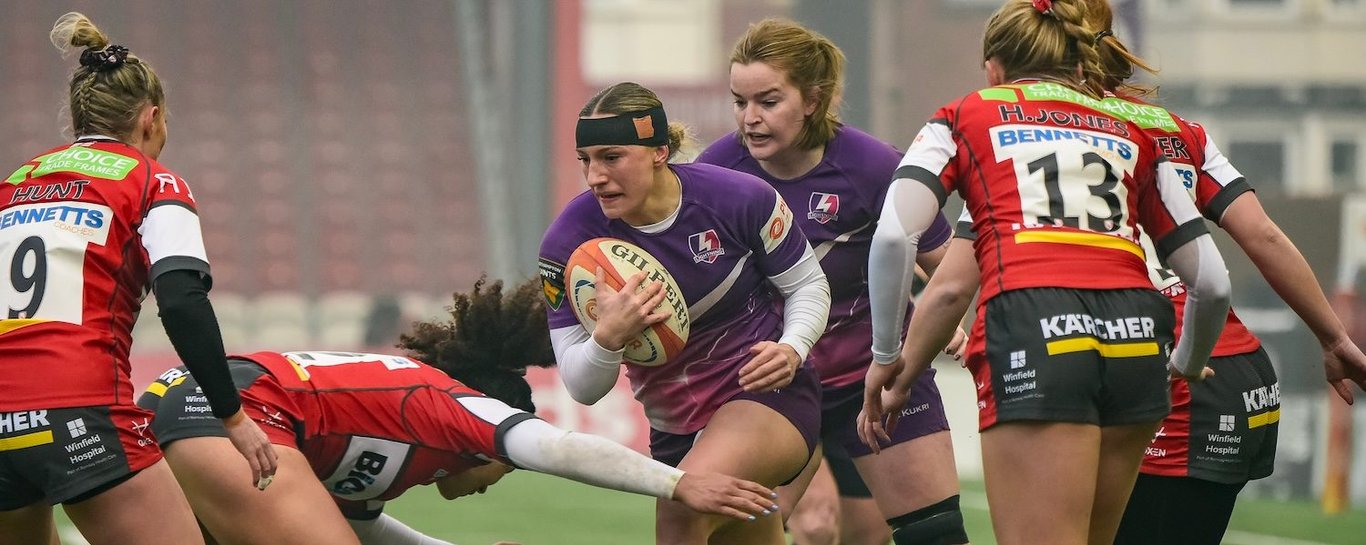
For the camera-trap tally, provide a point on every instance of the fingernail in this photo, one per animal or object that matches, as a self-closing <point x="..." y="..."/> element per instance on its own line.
<point x="751" y="518"/>
<point x="775" y="508"/>
<point x="773" y="495"/>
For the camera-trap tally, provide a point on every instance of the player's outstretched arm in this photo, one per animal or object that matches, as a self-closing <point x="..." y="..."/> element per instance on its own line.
<point x="536" y="445"/>
<point x="1288" y="273"/>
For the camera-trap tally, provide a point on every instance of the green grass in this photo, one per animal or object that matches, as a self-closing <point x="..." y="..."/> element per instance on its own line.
<point x="538" y="510"/>
<point x="534" y="509"/>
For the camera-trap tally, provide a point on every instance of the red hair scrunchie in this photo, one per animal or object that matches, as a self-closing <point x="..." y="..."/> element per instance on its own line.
<point x="1044" y="6"/>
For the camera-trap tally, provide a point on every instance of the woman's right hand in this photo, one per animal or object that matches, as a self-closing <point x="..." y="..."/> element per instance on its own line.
<point x="719" y="494"/>
<point x="623" y="315"/>
<point x="249" y="440"/>
<point x="1175" y="372"/>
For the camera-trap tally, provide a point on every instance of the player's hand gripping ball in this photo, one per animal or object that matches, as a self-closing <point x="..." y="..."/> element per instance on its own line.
<point x="620" y="260"/>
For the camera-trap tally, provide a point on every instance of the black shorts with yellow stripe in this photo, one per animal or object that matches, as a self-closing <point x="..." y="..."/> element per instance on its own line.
<point x="71" y="454"/>
<point x="1072" y="355"/>
<point x="1233" y="420"/>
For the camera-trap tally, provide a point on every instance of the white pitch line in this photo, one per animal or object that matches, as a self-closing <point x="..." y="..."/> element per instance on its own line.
<point x="978" y="501"/>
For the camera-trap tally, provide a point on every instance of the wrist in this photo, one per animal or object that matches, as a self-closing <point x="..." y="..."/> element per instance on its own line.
<point x="794" y="357"/>
<point x="602" y="356"/>
<point x="235" y="419"/>
<point x="607" y="342"/>
<point x="1334" y="342"/>
<point x="672" y="487"/>
<point x="888" y="357"/>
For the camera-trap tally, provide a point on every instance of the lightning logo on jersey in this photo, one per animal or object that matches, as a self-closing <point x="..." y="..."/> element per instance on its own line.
<point x="824" y="207"/>
<point x="706" y="246"/>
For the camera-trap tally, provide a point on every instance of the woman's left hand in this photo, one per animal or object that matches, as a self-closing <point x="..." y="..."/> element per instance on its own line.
<point x="772" y="367"/>
<point x="958" y="346"/>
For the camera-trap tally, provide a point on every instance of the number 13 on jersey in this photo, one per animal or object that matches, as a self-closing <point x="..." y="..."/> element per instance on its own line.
<point x="42" y="258"/>
<point x="1069" y="177"/>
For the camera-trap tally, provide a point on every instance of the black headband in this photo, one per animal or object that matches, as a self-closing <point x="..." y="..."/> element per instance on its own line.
<point x="639" y="128"/>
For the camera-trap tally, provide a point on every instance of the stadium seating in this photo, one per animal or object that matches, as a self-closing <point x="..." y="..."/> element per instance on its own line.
<point x="329" y="158"/>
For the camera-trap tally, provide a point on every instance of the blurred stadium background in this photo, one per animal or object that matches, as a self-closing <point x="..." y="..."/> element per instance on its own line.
<point x="357" y="160"/>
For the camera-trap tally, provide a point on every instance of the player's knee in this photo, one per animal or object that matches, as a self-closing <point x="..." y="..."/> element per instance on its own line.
<point x="813" y="530"/>
<point x="938" y="524"/>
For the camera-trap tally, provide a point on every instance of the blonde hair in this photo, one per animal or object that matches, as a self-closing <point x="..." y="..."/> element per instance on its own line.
<point x="105" y="99"/>
<point x="811" y="62"/>
<point x="1116" y="61"/>
<point x="633" y="97"/>
<point x="1030" y="43"/>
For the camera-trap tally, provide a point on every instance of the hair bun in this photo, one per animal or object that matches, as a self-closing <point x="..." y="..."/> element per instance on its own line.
<point x="108" y="58"/>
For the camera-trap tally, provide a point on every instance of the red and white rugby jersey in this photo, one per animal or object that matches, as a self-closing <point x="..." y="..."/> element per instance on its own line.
<point x="377" y="425"/>
<point x="83" y="230"/>
<point x="1057" y="183"/>
<point x="1213" y="184"/>
<point x="1211" y="180"/>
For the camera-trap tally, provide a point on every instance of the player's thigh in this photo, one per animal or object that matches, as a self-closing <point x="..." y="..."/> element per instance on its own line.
<point x="911" y="475"/>
<point x="791" y="495"/>
<point x="120" y="514"/>
<point x="816" y="518"/>
<point x="1040" y="471"/>
<point x="749" y="440"/>
<point x="218" y="483"/>
<point x="1121" y="453"/>
<point x="28" y="525"/>
<point x="745" y="439"/>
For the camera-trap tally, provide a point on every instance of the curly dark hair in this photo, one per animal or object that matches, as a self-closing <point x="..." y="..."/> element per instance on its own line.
<point x="489" y="341"/>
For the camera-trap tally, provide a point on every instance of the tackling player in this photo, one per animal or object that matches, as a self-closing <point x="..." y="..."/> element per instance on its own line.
<point x="364" y="428"/>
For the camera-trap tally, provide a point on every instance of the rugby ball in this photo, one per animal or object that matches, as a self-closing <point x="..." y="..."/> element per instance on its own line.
<point x="619" y="261"/>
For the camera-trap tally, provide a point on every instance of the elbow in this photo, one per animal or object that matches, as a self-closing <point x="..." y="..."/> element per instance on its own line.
<point x="1215" y="290"/>
<point x="959" y="296"/>
<point x="884" y="241"/>
<point x="584" y="395"/>
<point x="947" y="293"/>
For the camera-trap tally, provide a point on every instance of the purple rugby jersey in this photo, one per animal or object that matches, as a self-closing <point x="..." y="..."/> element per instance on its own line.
<point x="837" y="205"/>
<point x="731" y="233"/>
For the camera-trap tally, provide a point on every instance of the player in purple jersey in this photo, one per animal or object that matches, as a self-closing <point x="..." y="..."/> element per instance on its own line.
<point x="786" y="82"/>
<point x="756" y="296"/>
